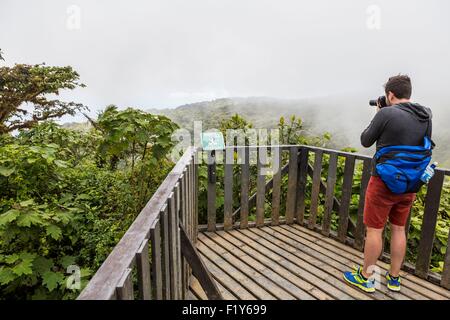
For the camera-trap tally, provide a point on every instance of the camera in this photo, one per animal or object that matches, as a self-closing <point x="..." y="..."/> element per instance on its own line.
<point x="381" y="101"/>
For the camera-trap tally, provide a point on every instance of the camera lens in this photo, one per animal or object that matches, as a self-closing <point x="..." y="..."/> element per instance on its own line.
<point x="381" y="101"/>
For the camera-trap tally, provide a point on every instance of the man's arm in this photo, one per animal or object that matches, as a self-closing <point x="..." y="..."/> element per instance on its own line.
<point x="373" y="131"/>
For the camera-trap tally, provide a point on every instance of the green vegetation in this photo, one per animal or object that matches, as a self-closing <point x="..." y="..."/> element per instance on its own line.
<point x="291" y="134"/>
<point x="68" y="196"/>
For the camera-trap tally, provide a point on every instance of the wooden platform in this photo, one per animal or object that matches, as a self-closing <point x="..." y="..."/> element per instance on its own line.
<point x="292" y="262"/>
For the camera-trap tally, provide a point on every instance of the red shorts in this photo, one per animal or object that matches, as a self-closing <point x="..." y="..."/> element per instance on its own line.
<point x="381" y="203"/>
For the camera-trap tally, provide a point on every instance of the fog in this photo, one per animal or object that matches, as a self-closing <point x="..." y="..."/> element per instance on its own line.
<point x="155" y="54"/>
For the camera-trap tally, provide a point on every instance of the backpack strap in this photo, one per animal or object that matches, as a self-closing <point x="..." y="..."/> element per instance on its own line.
<point x="385" y="150"/>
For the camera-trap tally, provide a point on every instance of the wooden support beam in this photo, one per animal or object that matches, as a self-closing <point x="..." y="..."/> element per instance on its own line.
<point x="199" y="269"/>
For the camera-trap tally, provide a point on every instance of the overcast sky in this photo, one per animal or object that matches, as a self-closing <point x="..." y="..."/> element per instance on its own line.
<point x="170" y="52"/>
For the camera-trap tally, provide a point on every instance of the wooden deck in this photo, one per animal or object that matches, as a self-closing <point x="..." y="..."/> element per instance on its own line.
<point x="261" y="259"/>
<point x="292" y="262"/>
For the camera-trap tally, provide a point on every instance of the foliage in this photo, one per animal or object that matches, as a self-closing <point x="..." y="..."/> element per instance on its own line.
<point x="25" y="91"/>
<point x="292" y="132"/>
<point x="58" y="207"/>
<point x="68" y="196"/>
<point x="133" y="134"/>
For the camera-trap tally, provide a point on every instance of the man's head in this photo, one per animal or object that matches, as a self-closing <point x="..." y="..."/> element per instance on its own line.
<point x="398" y="89"/>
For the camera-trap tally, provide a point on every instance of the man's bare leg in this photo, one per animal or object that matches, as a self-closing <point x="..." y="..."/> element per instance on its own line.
<point x="398" y="249"/>
<point x="372" y="249"/>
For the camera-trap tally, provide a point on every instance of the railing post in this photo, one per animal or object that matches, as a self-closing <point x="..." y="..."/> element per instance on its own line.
<point x="301" y="185"/>
<point x="329" y="196"/>
<point x="165" y="251"/>
<point x="245" y="188"/>
<point x="292" y="184"/>
<point x="260" y="191"/>
<point x="196" y="194"/>
<point x="276" y="188"/>
<point x="445" y="281"/>
<point x="184" y="220"/>
<point x="178" y="262"/>
<point x="359" y="232"/>
<point x="432" y="201"/>
<point x="155" y="239"/>
<point x="124" y="289"/>
<point x="346" y="197"/>
<point x="211" y="193"/>
<point x="228" y="189"/>
<point x="315" y="188"/>
<point x="174" y="271"/>
<point x="143" y="271"/>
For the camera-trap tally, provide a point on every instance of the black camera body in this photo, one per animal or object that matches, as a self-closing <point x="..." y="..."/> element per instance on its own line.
<point x="381" y="101"/>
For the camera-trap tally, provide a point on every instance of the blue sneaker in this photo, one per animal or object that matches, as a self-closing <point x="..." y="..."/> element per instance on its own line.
<point x="355" y="278"/>
<point x="393" y="284"/>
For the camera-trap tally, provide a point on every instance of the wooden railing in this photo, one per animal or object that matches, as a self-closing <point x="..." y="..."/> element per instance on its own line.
<point x="156" y="256"/>
<point x="348" y="231"/>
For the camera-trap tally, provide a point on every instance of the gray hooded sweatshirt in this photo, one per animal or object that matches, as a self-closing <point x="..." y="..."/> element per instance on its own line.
<point x="401" y="124"/>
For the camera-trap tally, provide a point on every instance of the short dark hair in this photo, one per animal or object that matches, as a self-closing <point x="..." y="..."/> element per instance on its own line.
<point x="400" y="86"/>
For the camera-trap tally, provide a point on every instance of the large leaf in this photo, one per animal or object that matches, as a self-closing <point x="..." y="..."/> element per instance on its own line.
<point x="28" y="219"/>
<point x="6" y="172"/>
<point x="54" y="231"/>
<point x="12" y="258"/>
<point x="26" y="203"/>
<point x="24" y="267"/>
<point x="51" y="279"/>
<point x="64" y="216"/>
<point x="9" y="216"/>
<point x="67" y="261"/>
<point x="61" y="164"/>
<point x="6" y="275"/>
<point x="41" y="265"/>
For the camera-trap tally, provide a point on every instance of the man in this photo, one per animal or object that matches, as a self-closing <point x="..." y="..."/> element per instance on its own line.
<point x="401" y="122"/>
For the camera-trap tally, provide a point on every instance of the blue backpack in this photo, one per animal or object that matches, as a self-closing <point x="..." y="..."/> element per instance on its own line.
<point x="400" y="167"/>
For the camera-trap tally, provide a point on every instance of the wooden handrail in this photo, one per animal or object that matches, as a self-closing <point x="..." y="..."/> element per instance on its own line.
<point x="150" y="225"/>
<point x="199" y="269"/>
<point x="160" y="243"/>
<point x="348" y="231"/>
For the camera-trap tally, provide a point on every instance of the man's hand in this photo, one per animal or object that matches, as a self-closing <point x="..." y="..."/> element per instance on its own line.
<point x="378" y="105"/>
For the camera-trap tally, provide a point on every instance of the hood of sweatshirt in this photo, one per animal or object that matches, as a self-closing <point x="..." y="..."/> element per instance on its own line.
<point x="420" y="112"/>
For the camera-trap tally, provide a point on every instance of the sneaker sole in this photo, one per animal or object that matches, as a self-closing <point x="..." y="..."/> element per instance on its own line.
<point x="396" y="289"/>
<point x="371" y="290"/>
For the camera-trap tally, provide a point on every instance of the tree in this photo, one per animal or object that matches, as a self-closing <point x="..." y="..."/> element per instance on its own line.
<point x="1" y="57"/>
<point x="24" y="91"/>
<point x="131" y="134"/>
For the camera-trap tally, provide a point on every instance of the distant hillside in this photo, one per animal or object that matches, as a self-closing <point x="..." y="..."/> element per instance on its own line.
<point x="211" y="112"/>
<point x="344" y="124"/>
<point x="345" y="117"/>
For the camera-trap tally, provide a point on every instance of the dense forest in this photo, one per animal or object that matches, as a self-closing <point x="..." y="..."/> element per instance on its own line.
<point x="67" y="196"/>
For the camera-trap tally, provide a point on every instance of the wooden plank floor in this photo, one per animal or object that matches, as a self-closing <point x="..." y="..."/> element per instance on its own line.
<point x="292" y="262"/>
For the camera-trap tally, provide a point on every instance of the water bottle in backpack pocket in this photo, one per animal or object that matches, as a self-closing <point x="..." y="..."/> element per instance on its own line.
<point x="428" y="173"/>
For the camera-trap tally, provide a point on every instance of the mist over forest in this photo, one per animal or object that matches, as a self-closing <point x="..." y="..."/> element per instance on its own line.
<point x="345" y="117"/>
